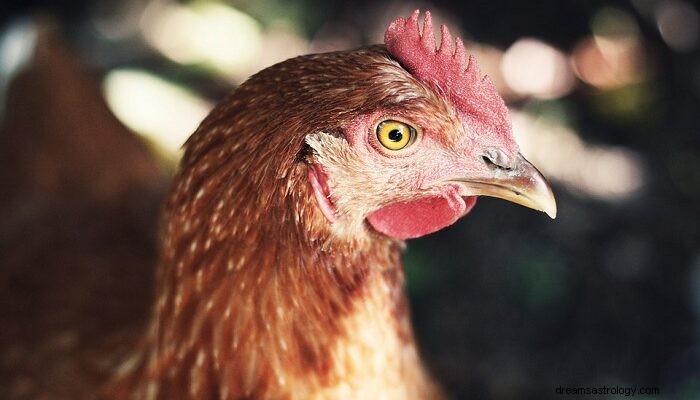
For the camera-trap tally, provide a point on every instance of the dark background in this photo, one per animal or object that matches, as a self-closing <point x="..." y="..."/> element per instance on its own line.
<point x="508" y="304"/>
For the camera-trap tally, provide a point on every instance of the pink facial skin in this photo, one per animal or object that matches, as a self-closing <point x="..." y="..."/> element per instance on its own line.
<point x="401" y="220"/>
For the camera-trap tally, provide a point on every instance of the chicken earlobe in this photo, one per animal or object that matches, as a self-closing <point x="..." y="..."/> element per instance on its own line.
<point x="319" y="182"/>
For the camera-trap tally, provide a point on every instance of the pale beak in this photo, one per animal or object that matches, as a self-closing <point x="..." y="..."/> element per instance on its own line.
<point x="517" y="181"/>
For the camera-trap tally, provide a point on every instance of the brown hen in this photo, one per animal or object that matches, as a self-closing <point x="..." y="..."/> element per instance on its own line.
<point x="280" y="274"/>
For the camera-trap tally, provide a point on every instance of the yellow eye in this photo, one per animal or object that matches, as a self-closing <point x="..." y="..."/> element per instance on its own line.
<point x="395" y="135"/>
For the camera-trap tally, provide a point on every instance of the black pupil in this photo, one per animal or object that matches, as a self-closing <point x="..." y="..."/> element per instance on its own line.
<point x="395" y="135"/>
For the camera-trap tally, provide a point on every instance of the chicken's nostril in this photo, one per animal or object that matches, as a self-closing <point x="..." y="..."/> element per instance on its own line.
<point x="496" y="161"/>
<point x="488" y="161"/>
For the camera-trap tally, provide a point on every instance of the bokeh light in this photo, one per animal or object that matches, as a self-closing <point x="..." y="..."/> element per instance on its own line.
<point x="614" y="55"/>
<point x="533" y="68"/>
<point x="603" y="172"/>
<point x="210" y="34"/>
<point x="16" y="48"/>
<point x="163" y="112"/>
<point x="679" y="24"/>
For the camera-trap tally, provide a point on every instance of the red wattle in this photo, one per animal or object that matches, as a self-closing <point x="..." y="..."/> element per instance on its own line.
<point x="412" y="219"/>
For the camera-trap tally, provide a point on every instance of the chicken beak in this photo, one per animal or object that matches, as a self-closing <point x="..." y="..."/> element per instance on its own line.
<point x="519" y="182"/>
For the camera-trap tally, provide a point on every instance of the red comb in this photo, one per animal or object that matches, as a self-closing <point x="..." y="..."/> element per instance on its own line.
<point x="448" y="69"/>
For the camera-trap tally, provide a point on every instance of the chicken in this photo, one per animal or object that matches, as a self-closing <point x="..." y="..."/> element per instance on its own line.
<point x="280" y="273"/>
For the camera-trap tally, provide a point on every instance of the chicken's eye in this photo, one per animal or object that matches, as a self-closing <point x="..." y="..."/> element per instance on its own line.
<point x="395" y="135"/>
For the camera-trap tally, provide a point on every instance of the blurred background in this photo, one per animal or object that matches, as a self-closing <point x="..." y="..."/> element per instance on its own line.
<point x="507" y="304"/>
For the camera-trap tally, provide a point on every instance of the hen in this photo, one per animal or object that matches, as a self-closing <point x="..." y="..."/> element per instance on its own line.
<point x="280" y="274"/>
<point x="280" y="271"/>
